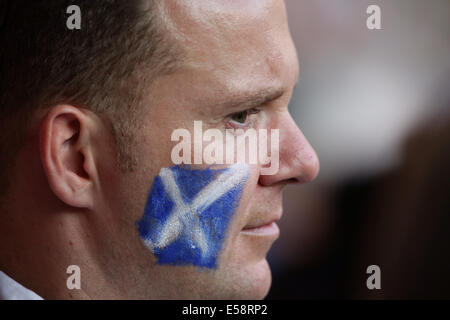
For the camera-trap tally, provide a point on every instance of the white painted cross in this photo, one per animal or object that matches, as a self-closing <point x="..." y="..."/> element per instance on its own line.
<point x="185" y="216"/>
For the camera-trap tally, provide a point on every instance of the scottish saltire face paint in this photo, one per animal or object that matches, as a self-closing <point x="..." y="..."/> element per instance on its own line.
<point x="188" y="211"/>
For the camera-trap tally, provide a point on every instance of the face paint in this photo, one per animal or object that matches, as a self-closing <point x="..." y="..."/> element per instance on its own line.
<point x="188" y="211"/>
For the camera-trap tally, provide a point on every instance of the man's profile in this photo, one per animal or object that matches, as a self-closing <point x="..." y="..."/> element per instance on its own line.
<point x="86" y="119"/>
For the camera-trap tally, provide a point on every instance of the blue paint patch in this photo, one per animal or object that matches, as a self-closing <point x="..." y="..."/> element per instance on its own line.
<point x="188" y="211"/>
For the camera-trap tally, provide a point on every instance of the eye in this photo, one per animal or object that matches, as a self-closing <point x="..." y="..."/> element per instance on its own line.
<point x="242" y="116"/>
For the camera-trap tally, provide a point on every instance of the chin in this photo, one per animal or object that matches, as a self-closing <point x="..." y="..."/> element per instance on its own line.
<point x="245" y="272"/>
<point x="248" y="282"/>
<point x="262" y="280"/>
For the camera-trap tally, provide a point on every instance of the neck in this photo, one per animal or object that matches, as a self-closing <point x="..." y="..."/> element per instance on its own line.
<point x="39" y="242"/>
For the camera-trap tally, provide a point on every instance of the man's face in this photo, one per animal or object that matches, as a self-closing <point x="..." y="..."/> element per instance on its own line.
<point x="236" y="54"/>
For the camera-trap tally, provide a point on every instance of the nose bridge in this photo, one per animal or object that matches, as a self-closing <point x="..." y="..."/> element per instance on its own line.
<point x="298" y="160"/>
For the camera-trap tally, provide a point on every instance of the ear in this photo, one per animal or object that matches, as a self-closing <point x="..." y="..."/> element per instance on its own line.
<point x="66" y="155"/>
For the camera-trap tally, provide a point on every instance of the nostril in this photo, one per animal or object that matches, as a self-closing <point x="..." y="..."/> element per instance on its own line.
<point x="293" y="180"/>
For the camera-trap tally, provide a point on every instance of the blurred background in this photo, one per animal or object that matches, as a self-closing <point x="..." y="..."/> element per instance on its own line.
<point x="375" y="105"/>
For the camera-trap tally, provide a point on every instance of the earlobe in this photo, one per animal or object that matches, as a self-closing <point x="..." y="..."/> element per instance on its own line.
<point x="66" y="155"/>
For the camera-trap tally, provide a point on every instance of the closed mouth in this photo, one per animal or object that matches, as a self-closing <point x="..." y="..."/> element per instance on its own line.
<point x="269" y="228"/>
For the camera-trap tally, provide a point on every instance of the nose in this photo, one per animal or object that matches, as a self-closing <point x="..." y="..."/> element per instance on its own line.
<point x="298" y="162"/>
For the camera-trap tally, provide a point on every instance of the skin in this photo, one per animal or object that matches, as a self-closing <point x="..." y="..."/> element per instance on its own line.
<point x="69" y="203"/>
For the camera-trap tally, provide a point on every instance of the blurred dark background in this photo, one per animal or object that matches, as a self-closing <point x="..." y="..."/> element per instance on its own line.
<point x="375" y="105"/>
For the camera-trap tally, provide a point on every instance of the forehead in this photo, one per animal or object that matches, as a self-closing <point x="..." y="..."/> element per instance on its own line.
<point x="237" y="45"/>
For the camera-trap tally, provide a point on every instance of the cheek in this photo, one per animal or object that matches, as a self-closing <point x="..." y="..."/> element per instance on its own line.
<point x="188" y="212"/>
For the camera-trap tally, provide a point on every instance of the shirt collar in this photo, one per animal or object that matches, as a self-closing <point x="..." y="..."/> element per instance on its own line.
<point x="12" y="290"/>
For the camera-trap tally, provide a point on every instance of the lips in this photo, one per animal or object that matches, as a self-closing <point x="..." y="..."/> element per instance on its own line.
<point x="262" y="223"/>
<point x="267" y="230"/>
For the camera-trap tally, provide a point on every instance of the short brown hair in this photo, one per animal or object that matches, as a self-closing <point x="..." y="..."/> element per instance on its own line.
<point x="104" y="66"/>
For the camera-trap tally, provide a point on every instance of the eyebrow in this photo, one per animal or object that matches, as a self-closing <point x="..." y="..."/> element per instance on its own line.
<point x="252" y="99"/>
